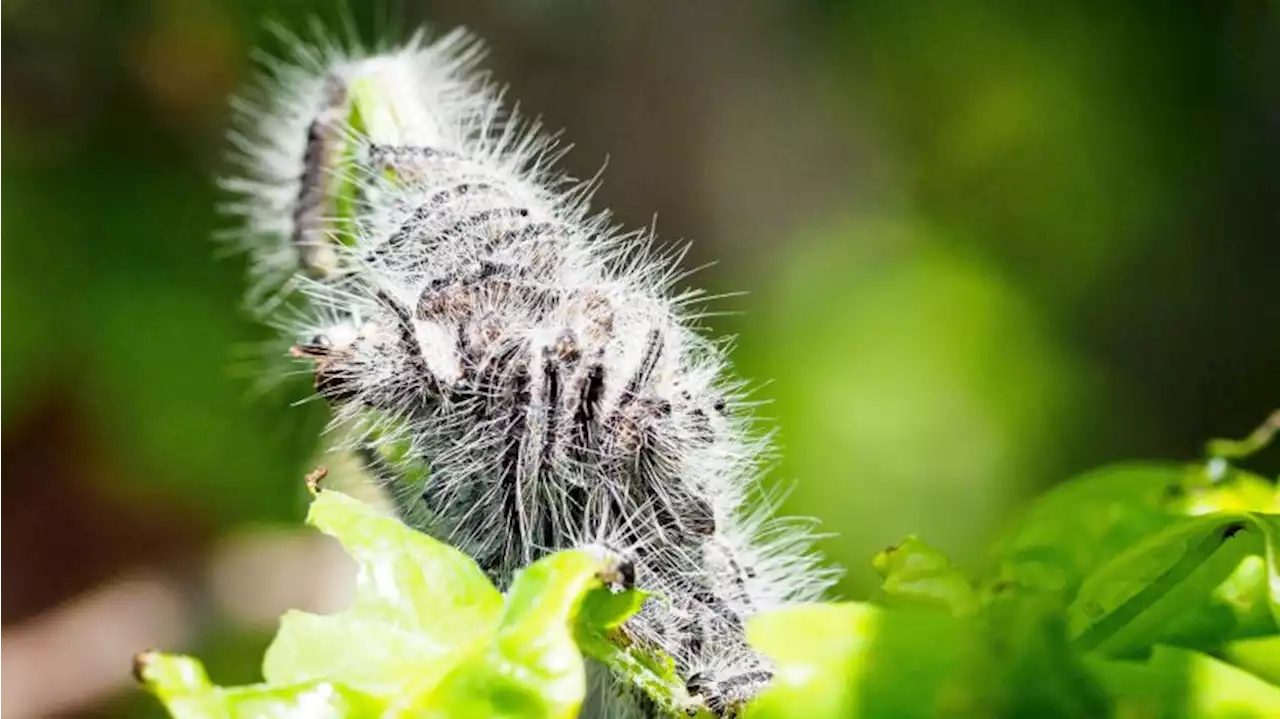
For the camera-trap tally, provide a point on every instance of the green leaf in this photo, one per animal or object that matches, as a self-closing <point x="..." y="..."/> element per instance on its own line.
<point x="374" y="113"/>
<point x="1159" y="588"/>
<point x="1081" y="524"/>
<point x="820" y="655"/>
<point x="852" y="659"/>
<point x="916" y="573"/>
<point x="346" y="190"/>
<point x="419" y="604"/>
<point x="181" y="684"/>
<point x="428" y="635"/>
<point x="1258" y="655"/>
<point x="600" y="635"/>
<point x="531" y="666"/>
<point x="858" y="660"/>
<point x="1025" y="664"/>
<point x="1070" y="536"/>
<point x="1222" y="488"/>
<point x="1179" y="683"/>
<point x="1019" y="662"/>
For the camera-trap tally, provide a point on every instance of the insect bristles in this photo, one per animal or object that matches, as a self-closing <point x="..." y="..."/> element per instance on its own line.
<point x="522" y="374"/>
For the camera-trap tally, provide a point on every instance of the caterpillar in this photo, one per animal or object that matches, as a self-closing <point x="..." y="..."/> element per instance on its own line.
<point x="520" y="372"/>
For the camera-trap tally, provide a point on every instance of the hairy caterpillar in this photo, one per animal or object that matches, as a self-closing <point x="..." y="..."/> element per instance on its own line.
<point x="519" y="371"/>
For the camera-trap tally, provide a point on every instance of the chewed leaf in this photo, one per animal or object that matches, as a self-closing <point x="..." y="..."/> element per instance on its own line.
<point x="916" y="573"/>
<point x="419" y="605"/>
<point x="1158" y="588"/>
<point x="181" y="684"/>
<point x="531" y="666"/>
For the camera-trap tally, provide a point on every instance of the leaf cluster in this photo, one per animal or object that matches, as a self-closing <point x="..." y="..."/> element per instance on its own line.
<point x="1136" y="590"/>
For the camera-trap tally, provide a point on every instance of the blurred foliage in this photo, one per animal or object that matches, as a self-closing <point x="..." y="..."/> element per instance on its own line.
<point x="111" y="292"/>
<point x="933" y="396"/>
<point x="1055" y="270"/>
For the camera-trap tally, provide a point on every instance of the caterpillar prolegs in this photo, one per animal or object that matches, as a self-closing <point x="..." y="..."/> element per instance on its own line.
<point x="520" y="370"/>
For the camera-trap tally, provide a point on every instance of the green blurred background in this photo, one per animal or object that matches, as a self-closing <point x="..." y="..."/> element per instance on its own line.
<point x="986" y="245"/>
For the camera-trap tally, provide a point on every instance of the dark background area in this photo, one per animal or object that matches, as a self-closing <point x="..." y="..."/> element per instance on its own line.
<point x="985" y="246"/>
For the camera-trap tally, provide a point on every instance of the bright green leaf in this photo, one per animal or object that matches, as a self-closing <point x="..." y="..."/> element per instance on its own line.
<point x="600" y="637"/>
<point x="419" y="605"/>
<point x="820" y="653"/>
<point x="916" y="573"/>
<point x="1258" y="655"/>
<point x="428" y="635"/>
<point x="859" y="660"/>
<point x="181" y="684"/>
<point x="531" y="667"/>
<point x="1235" y="491"/>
